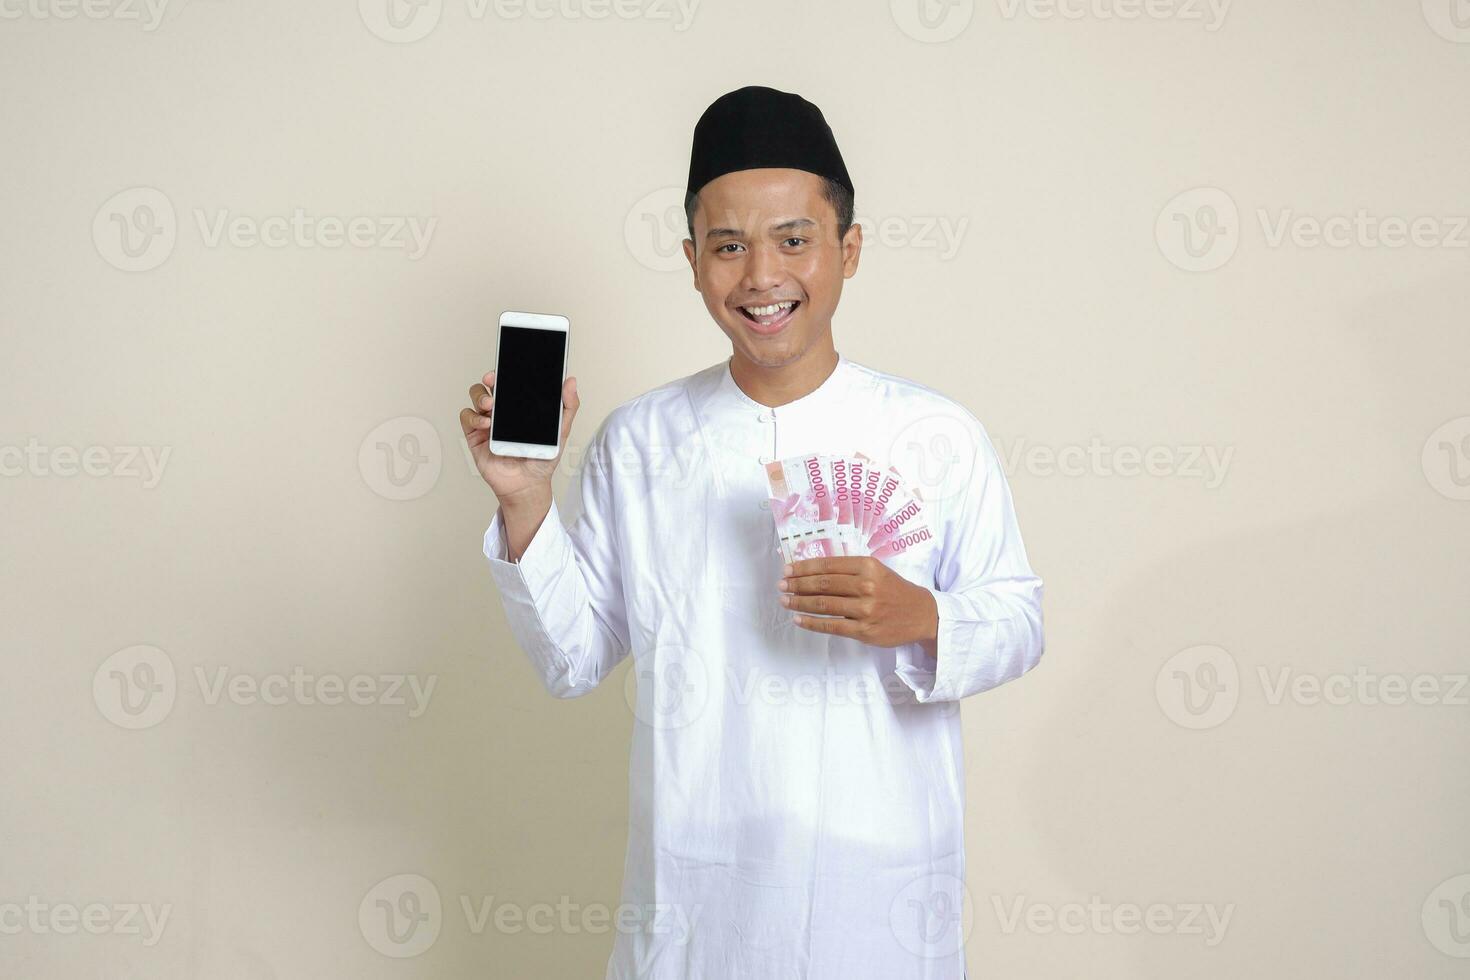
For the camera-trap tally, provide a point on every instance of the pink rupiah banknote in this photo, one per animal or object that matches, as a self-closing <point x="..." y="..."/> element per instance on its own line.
<point x="895" y="517"/>
<point x="902" y="527"/>
<point x="804" y="509"/>
<point x="874" y="485"/>
<point x="842" y="491"/>
<point x="879" y="488"/>
<point x="827" y="505"/>
<point x="844" y="504"/>
<point x="857" y="471"/>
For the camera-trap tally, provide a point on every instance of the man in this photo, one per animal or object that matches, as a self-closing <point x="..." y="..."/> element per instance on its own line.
<point x="797" y="782"/>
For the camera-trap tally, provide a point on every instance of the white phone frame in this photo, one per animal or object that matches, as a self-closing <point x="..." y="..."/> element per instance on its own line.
<point x="532" y="321"/>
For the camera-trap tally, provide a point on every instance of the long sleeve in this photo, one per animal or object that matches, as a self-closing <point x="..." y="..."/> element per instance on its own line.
<point x="989" y="600"/>
<point x="564" y="598"/>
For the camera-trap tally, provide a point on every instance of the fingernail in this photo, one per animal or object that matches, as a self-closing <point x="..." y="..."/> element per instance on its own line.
<point x="781" y="585"/>
<point x="785" y="600"/>
<point x="787" y="570"/>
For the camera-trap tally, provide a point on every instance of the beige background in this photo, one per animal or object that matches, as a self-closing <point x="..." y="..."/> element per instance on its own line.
<point x="1066" y="309"/>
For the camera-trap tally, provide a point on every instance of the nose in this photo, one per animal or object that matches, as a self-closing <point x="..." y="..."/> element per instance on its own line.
<point x="762" y="269"/>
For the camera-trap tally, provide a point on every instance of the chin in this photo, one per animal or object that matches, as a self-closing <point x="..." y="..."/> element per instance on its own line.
<point x="773" y="355"/>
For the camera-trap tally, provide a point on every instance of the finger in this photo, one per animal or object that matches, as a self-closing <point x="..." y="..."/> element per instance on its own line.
<point x="570" y="403"/>
<point x="839" y="565"/>
<point x="836" y="627"/>
<point x="472" y="422"/>
<point x="831" y="605"/>
<point x="480" y="398"/>
<point x="489" y="380"/>
<point x="823" y="585"/>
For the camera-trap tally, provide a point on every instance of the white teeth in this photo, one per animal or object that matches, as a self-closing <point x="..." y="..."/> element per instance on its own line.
<point x="769" y="310"/>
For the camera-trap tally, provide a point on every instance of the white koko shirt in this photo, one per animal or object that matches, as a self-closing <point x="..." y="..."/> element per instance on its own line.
<point x="796" y="799"/>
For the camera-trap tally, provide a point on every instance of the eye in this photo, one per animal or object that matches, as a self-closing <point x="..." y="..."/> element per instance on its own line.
<point x="728" y="245"/>
<point x="794" y="239"/>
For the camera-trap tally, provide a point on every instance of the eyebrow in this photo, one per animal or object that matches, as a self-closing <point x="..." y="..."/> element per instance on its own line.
<point x="784" y="226"/>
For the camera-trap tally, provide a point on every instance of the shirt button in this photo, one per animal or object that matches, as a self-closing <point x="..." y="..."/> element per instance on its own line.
<point x="765" y="504"/>
<point x="767" y="459"/>
<point x="767" y="417"/>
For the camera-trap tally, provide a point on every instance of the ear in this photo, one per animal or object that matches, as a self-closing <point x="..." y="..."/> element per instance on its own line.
<point x="693" y="266"/>
<point x="852" y="250"/>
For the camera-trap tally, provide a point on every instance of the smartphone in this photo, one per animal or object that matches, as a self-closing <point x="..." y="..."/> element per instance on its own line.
<point x="530" y="367"/>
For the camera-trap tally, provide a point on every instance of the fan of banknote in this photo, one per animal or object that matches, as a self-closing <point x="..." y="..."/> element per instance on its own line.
<point x="827" y="506"/>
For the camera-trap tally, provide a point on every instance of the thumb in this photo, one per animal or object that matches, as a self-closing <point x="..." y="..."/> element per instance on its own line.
<point x="570" y="403"/>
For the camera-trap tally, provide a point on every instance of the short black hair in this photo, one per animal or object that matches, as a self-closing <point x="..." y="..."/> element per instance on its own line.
<point x="838" y="196"/>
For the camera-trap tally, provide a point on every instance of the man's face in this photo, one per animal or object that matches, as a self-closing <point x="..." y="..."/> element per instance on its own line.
<point x="768" y="237"/>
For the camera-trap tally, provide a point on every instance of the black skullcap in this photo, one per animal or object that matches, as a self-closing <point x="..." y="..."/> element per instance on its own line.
<point x="755" y="127"/>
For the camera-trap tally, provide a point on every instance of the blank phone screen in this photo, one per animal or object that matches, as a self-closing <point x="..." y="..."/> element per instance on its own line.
<point x="528" y="376"/>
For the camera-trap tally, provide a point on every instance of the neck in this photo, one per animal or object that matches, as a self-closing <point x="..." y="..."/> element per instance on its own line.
<point x="775" y="385"/>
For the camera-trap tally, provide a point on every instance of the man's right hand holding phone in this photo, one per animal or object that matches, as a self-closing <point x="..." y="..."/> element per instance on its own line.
<point x="523" y="486"/>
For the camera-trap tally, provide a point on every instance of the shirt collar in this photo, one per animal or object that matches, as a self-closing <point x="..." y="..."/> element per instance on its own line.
<point x="824" y="395"/>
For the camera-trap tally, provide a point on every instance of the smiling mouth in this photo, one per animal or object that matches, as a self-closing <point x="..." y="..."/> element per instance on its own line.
<point x="770" y="315"/>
